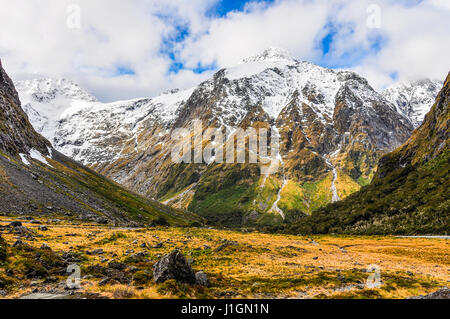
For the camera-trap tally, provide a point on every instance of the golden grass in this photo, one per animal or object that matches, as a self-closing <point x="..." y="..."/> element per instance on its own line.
<point x="262" y="265"/>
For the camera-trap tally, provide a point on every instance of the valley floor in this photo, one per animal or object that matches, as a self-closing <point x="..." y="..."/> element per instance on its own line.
<point x="239" y="265"/>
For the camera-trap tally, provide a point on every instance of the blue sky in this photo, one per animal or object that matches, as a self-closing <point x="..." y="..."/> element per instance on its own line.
<point x="222" y="8"/>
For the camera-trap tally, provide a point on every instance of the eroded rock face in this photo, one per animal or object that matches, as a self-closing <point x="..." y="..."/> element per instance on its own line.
<point x="173" y="266"/>
<point x="16" y="133"/>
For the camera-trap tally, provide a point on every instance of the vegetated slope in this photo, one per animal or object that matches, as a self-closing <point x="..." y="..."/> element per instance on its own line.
<point x="410" y="193"/>
<point x="332" y="124"/>
<point x="35" y="179"/>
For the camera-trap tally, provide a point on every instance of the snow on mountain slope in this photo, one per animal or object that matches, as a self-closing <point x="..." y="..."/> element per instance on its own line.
<point x="46" y="100"/>
<point x="322" y="117"/>
<point x="74" y="121"/>
<point x="414" y="98"/>
<point x="95" y="133"/>
<point x="278" y="80"/>
<point x="270" y="58"/>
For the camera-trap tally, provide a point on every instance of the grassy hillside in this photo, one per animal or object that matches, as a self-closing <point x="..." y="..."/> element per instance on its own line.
<point x="410" y="200"/>
<point x="65" y="188"/>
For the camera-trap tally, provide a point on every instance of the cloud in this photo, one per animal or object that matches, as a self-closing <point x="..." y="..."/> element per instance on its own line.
<point x="289" y="24"/>
<point x="126" y="49"/>
<point x="415" y="41"/>
<point x="114" y="35"/>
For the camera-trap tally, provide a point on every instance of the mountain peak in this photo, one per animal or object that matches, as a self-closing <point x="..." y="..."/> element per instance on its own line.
<point x="271" y="54"/>
<point x="46" y="89"/>
<point x="414" y="98"/>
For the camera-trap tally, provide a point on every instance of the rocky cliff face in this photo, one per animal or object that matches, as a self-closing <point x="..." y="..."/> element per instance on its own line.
<point x="35" y="179"/>
<point x="16" y="133"/>
<point x="332" y="125"/>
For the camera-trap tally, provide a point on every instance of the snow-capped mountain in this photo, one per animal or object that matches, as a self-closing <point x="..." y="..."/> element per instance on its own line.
<point x="414" y="98"/>
<point x="333" y="127"/>
<point x="37" y="180"/>
<point x="46" y="100"/>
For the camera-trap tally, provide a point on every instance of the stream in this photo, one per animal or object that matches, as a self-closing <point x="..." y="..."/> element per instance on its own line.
<point x="275" y="205"/>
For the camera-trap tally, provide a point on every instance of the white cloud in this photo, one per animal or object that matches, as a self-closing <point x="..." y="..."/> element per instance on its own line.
<point x="35" y="41"/>
<point x="289" y="24"/>
<point x="416" y="41"/>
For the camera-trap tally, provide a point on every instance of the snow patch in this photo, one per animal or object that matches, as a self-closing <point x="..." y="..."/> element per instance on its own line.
<point x="24" y="159"/>
<point x="36" y="155"/>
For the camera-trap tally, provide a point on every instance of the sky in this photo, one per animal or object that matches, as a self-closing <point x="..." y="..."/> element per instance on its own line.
<point x="120" y="50"/>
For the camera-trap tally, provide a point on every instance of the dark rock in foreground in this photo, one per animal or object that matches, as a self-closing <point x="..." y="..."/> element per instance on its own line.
<point x="443" y="293"/>
<point x="173" y="266"/>
<point x="202" y="279"/>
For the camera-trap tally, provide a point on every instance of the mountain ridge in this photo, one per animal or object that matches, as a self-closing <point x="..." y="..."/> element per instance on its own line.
<point x="333" y="127"/>
<point x="37" y="180"/>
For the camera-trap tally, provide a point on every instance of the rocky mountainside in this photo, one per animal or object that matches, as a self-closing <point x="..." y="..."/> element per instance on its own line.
<point x="413" y="98"/>
<point x="35" y="179"/>
<point x="16" y="133"/>
<point x="409" y="194"/>
<point x="332" y="124"/>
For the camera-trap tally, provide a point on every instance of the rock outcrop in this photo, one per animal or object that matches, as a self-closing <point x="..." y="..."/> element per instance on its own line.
<point x="173" y="266"/>
<point x="16" y="133"/>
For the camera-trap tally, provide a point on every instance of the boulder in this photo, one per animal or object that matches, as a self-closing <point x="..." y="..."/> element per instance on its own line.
<point x="173" y="266"/>
<point x="113" y="264"/>
<point x="443" y="293"/>
<point x="226" y="243"/>
<point x="101" y="221"/>
<point x="95" y="252"/>
<point x="15" y="224"/>
<point x="20" y="243"/>
<point x="201" y="279"/>
<point x="45" y="246"/>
